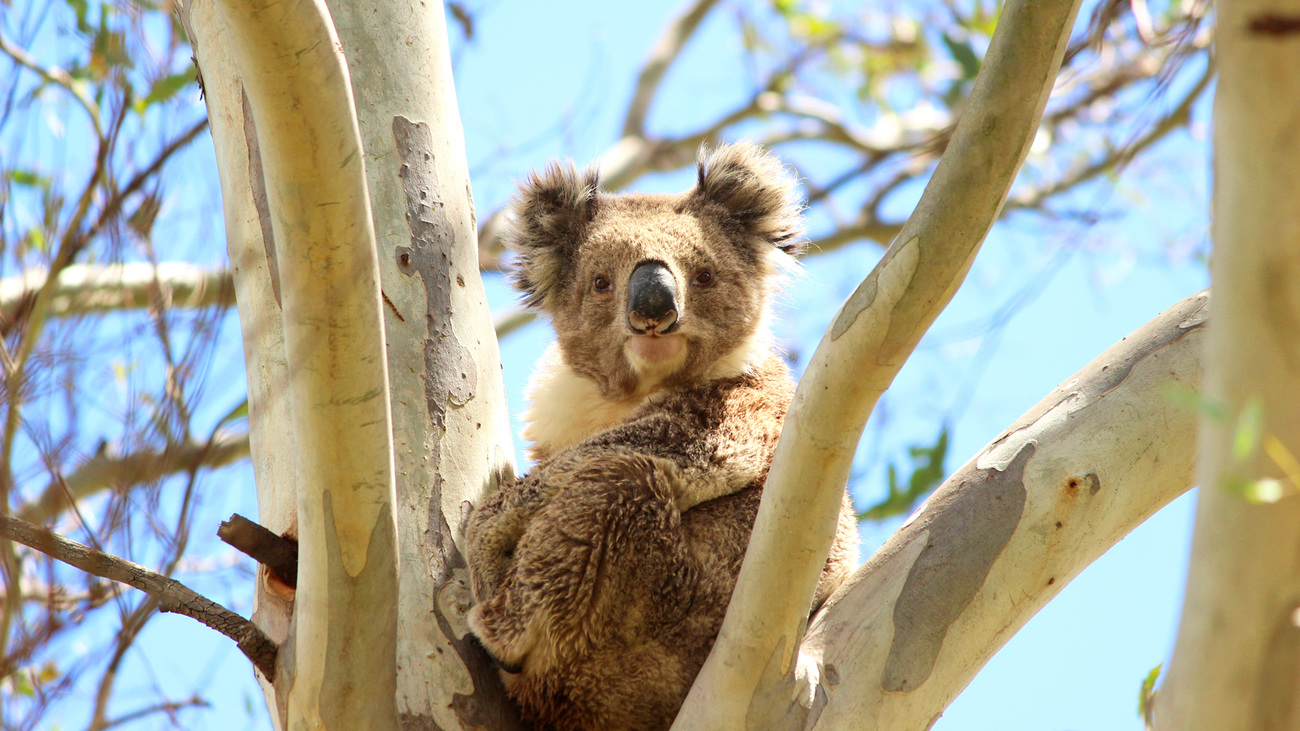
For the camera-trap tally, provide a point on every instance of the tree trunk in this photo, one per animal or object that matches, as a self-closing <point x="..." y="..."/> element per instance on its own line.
<point x="1236" y="663"/>
<point x="449" y="435"/>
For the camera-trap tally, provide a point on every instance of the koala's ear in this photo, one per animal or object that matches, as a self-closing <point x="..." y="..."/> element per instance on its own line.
<point x="550" y="214"/>
<point x="749" y="187"/>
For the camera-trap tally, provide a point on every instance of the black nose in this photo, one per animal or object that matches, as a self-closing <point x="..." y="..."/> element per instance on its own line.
<point x="652" y="299"/>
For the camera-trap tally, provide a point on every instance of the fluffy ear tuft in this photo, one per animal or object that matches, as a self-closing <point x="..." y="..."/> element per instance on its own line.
<point x="749" y="186"/>
<point x="549" y="215"/>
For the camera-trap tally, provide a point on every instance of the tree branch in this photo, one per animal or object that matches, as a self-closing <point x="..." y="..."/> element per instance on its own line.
<point x="1092" y="460"/>
<point x="300" y="91"/>
<point x="666" y="50"/>
<point x="88" y="288"/>
<point x="1117" y="157"/>
<point x="172" y="595"/>
<point x="102" y="471"/>
<point x="869" y="340"/>
<point x="58" y="77"/>
<point x="278" y="554"/>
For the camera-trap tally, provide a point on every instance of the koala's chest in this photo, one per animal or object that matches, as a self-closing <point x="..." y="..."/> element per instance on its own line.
<point x="565" y="409"/>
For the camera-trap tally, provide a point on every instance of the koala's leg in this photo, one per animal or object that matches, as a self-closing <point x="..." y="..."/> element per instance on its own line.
<point x="603" y="559"/>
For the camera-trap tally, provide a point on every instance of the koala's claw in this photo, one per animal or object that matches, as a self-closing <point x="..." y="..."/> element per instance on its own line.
<point x="512" y="668"/>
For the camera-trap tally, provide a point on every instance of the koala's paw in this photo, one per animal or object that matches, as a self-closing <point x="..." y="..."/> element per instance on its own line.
<point x="491" y="534"/>
<point x="501" y="625"/>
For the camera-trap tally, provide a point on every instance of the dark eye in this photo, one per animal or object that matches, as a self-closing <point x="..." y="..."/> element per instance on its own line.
<point x="602" y="283"/>
<point x="704" y="278"/>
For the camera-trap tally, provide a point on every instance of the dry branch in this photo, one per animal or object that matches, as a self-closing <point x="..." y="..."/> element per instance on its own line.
<point x="172" y="595"/>
<point x="278" y="554"/>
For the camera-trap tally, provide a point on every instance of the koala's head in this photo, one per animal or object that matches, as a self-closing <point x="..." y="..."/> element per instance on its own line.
<point x="649" y="291"/>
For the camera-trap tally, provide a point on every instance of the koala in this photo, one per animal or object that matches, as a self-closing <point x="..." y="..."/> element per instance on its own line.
<point x="601" y="578"/>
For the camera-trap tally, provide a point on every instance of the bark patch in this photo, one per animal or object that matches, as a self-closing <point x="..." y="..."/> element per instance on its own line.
<point x="450" y="379"/>
<point x="450" y="376"/>
<point x="865" y="294"/>
<point x="257" y="188"/>
<point x="371" y="594"/>
<point x="963" y="542"/>
<point x="1193" y="315"/>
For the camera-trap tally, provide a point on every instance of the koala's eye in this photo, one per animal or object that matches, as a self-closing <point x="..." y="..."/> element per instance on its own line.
<point x="704" y="278"/>
<point x="602" y="284"/>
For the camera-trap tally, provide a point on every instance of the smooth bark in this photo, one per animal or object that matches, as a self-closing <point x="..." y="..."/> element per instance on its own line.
<point x="342" y="668"/>
<point x="251" y="245"/>
<point x="1007" y="531"/>
<point x="1236" y="662"/>
<point x="451" y="429"/>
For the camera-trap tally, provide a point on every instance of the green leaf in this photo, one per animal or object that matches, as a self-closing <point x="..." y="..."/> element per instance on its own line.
<point x="1187" y="397"/>
<point x="29" y="178"/>
<point x="164" y="89"/>
<point x="1250" y="430"/>
<point x="34" y="240"/>
<point x="23" y="683"/>
<point x="237" y="413"/>
<point x="1147" y="693"/>
<point x="964" y="55"/>
<point x="82" y="10"/>
<point x="927" y="474"/>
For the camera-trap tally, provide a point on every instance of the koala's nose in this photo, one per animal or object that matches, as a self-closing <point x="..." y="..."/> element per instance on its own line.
<point x="652" y="299"/>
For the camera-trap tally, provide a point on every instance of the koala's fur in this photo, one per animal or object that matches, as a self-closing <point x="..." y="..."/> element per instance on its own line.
<point x="601" y="579"/>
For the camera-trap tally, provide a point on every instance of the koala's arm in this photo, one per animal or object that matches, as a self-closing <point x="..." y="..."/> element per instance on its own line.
<point x="713" y="456"/>
<point x="500" y="521"/>
<point x="609" y="529"/>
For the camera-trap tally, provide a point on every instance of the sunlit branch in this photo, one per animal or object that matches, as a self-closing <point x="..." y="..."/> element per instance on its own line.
<point x="752" y="663"/>
<point x="86" y="288"/>
<point x="103" y="471"/>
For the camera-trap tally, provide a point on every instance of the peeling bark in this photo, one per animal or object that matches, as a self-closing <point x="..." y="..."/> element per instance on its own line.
<point x="1006" y="532"/>
<point x="450" y="424"/>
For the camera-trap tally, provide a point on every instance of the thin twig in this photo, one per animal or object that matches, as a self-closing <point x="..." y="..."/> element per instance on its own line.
<point x="171" y="595"/>
<point x="58" y="77"/>
<point x="168" y="708"/>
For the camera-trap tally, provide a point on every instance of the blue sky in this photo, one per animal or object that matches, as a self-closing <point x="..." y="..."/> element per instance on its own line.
<point x="545" y="80"/>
